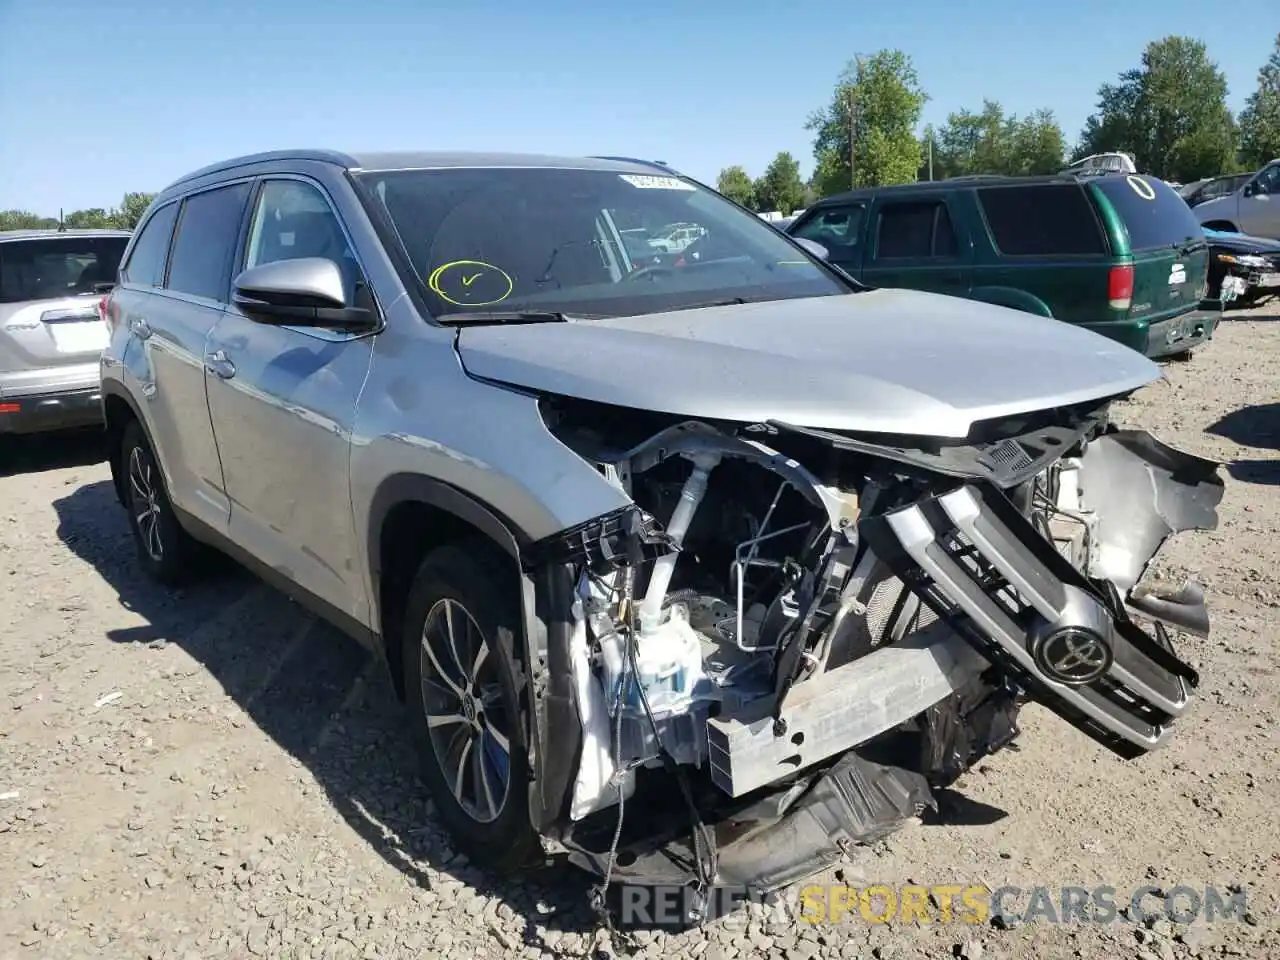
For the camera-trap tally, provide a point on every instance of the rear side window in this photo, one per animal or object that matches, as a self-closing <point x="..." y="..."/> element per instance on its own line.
<point x="42" y="268"/>
<point x="207" y="232"/>
<point x="917" y="229"/>
<point x="147" y="259"/>
<point x="1153" y="212"/>
<point x="1042" y="220"/>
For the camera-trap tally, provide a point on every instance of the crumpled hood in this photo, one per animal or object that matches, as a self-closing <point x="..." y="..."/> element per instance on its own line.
<point x="882" y="361"/>
<point x="1242" y="243"/>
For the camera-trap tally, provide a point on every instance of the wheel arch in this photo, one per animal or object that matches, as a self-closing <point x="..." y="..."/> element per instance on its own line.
<point x="1226" y="226"/>
<point x="119" y="410"/>
<point x="410" y="514"/>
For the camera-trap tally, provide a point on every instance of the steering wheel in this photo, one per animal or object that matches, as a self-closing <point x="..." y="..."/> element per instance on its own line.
<point x="652" y="270"/>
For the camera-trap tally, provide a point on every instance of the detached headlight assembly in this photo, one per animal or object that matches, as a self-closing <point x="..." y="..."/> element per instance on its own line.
<point x="1245" y="260"/>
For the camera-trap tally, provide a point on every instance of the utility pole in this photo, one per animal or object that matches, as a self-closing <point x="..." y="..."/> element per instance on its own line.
<point x="930" y="154"/>
<point x="853" y="126"/>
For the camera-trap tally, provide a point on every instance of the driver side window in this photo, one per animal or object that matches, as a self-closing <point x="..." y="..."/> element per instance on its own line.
<point x="1268" y="180"/>
<point x="293" y="220"/>
<point x="839" y="229"/>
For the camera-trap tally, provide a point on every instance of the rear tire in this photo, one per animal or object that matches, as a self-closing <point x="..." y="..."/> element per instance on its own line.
<point x="165" y="550"/>
<point x="463" y="682"/>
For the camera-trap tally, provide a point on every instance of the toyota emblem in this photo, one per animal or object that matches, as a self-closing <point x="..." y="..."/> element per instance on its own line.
<point x="1073" y="656"/>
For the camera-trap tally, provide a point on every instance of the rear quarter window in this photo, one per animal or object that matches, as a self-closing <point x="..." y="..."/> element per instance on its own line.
<point x="1152" y="211"/>
<point x="151" y="249"/>
<point x="1042" y="220"/>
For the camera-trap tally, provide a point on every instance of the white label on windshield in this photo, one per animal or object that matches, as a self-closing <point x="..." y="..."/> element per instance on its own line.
<point x="655" y="183"/>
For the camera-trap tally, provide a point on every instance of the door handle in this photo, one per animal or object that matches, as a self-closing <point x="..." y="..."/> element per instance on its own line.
<point x="140" y="328"/>
<point x="218" y="364"/>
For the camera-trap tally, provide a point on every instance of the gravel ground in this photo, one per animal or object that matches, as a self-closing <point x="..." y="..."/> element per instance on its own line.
<point x="217" y="774"/>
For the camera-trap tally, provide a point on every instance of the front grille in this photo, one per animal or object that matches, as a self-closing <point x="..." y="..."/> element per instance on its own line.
<point x="982" y="567"/>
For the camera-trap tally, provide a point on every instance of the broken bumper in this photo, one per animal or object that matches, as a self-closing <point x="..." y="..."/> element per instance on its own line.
<point x="1065" y="632"/>
<point x="1065" y="635"/>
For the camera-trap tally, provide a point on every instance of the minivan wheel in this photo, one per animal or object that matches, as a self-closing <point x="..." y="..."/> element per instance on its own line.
<point x="462" y="689"/>
<point x="165" y="550"/>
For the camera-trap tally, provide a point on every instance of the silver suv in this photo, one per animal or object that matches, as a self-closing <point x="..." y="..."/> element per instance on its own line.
<point x="659" y="557"/>
<point x="51" y="330"/>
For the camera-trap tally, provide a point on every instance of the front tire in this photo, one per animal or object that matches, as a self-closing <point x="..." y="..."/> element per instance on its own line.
<point x="462" y="688"/>
<point x="165" y="550"/>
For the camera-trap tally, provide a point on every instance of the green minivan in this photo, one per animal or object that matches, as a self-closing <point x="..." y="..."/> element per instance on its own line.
<point x="1121" y="254"/>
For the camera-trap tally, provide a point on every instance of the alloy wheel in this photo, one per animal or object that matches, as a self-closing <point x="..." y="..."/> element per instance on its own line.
<point x="144" y="495"/>
<point x="466" y="719"/>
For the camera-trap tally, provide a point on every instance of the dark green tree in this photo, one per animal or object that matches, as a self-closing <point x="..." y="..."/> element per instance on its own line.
<point x="988" y="141"/>
<point x="780" y="187"/>
<point x="735" y="183"/>
<point x="131" y="209"/>
<point x="1170" y="112"/>
<point x="95" y="218"/>
<point x="25" y="220"/>
<point x="876" y="104"/>
<point x="1260" y="119"/>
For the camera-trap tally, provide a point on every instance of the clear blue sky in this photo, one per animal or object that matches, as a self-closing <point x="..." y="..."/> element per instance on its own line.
<point x="102" y="96"/>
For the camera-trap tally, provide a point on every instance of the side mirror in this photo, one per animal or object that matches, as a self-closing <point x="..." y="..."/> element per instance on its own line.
<point x="817" y="249"/>
<point x="307" y="292"/>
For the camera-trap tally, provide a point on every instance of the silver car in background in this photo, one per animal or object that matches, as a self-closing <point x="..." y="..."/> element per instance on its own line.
<point x="51" y="329"/>
<point x="1251" y="208"/>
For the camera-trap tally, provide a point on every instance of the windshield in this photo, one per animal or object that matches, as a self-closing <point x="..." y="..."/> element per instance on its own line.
<point x="582" y="242"/>
<point x="45" y="268"/>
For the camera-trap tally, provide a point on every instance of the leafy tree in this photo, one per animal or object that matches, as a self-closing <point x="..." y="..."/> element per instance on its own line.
<point x="735" y="183"/>
<point x="1038" y="144"/>
<point x="1260" y="119"/>
<point x="780" y="188"/>
<point x="990" y="142"/>
<point x="883" y="98"/>
<point x="124" y="217"/>
<point x="94" y="218"/>
<point x="25" y="220"/>
<point x="1170" y="113"/>
<point x="131" y="209"/>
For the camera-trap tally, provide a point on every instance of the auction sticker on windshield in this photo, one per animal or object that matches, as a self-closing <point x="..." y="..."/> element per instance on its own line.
<point x="655" y="183"/>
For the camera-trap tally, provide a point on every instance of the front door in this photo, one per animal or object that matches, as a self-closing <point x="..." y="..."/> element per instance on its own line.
<point x="1260" y="204"/>
<point x="839" y="229"/>
<point x="283" y="401"/>
<point x="914" y="244"/>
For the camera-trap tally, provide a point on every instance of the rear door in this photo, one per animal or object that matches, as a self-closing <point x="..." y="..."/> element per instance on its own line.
<point x="170" y="318"/>
<point x="1170" y="252"/>
<point x="915" y="244"/>
<point x="49" y="321"/>
<point x="839" y="228"/>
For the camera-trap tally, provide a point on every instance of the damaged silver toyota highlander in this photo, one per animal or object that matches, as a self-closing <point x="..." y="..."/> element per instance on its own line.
<point x="697" y="566"/>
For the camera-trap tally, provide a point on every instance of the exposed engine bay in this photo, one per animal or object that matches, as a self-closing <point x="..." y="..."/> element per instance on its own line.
<point x="813" y="631"/>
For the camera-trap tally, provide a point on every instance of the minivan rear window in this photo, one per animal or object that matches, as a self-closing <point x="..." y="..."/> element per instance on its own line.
<point x="1042" y="220"/>
<point x="44" y="268"/>
<point x="1152" y="210"/>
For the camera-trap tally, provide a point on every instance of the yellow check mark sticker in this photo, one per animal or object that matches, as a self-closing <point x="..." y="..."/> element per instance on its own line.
<point x="453" y="282"/>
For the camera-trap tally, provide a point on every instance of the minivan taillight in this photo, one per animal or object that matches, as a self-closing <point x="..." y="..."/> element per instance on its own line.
<point x="102" y="308"/>
<point x="1120" y="287"/>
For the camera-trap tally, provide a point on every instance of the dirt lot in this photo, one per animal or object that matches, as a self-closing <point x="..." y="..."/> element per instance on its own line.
<point x="216" y="774"/>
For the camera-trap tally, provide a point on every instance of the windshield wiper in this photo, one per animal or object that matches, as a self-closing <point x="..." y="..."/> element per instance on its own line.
<point x="471" y="318"/>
